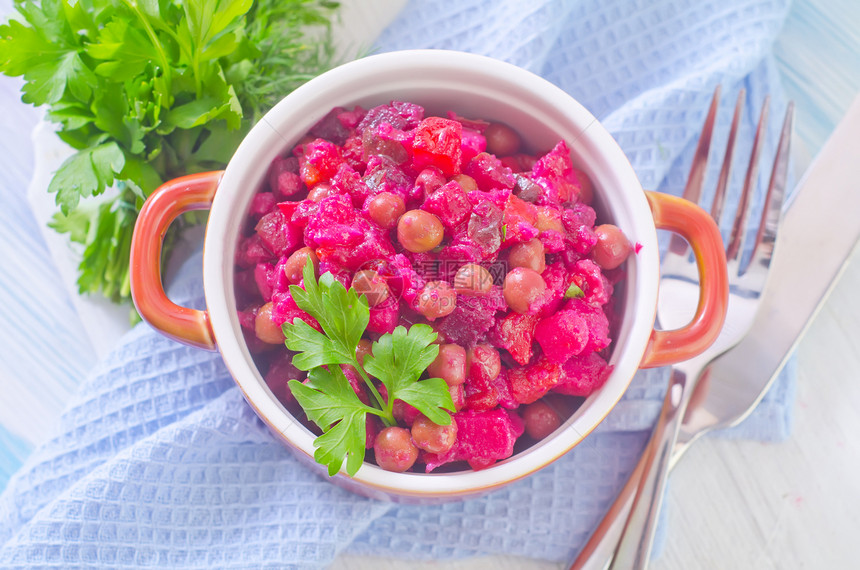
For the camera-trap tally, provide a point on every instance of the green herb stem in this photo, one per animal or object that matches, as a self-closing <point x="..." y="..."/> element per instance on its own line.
<point x="165" y="63"/>
<point x="386" y="409"/>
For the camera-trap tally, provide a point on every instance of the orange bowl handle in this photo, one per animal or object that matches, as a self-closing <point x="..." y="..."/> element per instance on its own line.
<point x="193" y="192"/>
<point x="699" y="229"/>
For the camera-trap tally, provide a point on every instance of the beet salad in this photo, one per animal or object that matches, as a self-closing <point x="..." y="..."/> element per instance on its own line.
<point x="429" y="282"/>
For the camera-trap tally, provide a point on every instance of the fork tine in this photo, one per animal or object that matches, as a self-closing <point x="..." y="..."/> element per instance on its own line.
<point x="772" y="210"/>
<point x="726" y="169"/>
<point x="738" y="234"/>
<point x="696" y="179"/>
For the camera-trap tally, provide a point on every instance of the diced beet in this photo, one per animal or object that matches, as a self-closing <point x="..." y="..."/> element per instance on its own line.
<point x="252" y="251"/>
<point x="405" y="413"/>
<point x="277" y="234"/>
<point x="518" y="426"/>
<point x="582" y="375"/>
<point x="483" y="367"/>
<point x="579" y="215"/>
<point x="263" y="276"/>
<point x="280" y="372"/>
<point x="437" y="143"/>
<point x="303" y="212"/>
<point x="356" y="382"/>
<point x="278" y="281"/>
<point x="515" y="333"/>
<point x="384" y="317"/>
<point x="335" y="223"/>
<point x="353" y="153"/>
<point x="460" y="252"/>
<point x="285" y="310"/>
<point x="405" y="283"/>
<point x="472" y="144"/>
<point x="374" y="245"/>
<point x="554" y="173"/>
<point x="247" y="318"/>
<point x="331" y="127"/>
<point x="319" y="162"/>
<point x="340" y="274"/>
<point x="553" y="241"/>
<point x="483" y="437"/>
<point x="428" y="181"/>
<point x="489" y="172"/>
<point x="246" y="286"/>
<point x="347" y="181"/>
<point x="588" y="277"/>
<point x="562" y="335"/>
<point x="595" y="320"/>
<point x="351" y="119"/>
<point x="385" y="140"/>
<point x="283" y="177"/>
<point x="485" y="228"/>
<point x="426" y="264"/>
<point x="481" y="401"/>
<point x="384" y="175"/>
<point x="470" y="321"/>
<point x="498" y="392"/>
<point x="519" y="219"/>
<point x="502" y="386"/>
<point x="557" y="280"/>
<point x="458" y="396"/>
<point x="372" y="427"/>
<point x="399" y="115"/>
<point x="449" y="203"/>
<point x="579" y="225"/>
<point x="534" y="380"/>
<point x="411" y="113"/>
<point x="261" y="204"/>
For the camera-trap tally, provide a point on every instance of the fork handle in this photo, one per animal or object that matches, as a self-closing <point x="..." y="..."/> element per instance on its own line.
<point x="634" y="548"/>
<point x="599" y="552"/>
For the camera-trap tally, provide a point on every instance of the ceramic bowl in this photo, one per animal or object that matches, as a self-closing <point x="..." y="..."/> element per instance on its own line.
<point x="472" y="86"/>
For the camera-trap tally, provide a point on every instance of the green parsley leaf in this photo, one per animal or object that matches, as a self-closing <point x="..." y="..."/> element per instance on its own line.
<point x="149" y="90"/>
<point x="343" y="316"/>
<point x="574" y="291"/>
<point x="331" y="403"/>
<point x="398" y="360"/>
<point x="86" y="173"/>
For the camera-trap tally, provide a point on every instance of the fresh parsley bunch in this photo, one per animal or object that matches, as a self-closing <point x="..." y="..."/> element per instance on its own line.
<point x="147" y="90"/>
<point x="397" y="360"/>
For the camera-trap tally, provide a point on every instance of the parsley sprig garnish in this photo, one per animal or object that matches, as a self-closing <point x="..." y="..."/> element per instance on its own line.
<point x="148" y="90"/>
<point x="397" y="361"/>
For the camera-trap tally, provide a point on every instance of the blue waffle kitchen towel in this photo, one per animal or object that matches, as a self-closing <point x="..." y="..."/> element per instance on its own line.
<point x="159" y="462"/>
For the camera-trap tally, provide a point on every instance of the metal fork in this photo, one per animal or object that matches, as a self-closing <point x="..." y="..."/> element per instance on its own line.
<point x="678" y="292"/>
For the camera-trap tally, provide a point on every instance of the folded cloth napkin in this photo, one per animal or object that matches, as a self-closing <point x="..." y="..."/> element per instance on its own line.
<point x="159" y="462"/>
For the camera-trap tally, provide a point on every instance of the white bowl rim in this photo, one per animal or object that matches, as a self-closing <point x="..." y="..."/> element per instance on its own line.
<point x="435" y="64"/>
